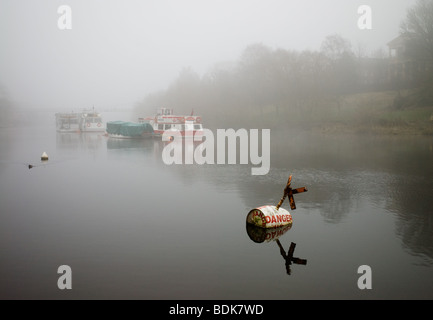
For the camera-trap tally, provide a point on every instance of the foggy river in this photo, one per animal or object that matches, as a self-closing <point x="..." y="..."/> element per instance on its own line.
<point x="132" y="227"/>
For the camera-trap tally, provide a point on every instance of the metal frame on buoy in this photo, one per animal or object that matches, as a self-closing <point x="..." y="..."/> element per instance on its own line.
<point x="275" y="216"/>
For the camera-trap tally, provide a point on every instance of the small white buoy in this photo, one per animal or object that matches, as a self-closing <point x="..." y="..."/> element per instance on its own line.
<point x="44" y="156"/>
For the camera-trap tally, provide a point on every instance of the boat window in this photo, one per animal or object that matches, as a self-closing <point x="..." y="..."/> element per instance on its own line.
<point x="197" y="127"/>
<point x="167" y="126"/>
<point x="160" y="127"/>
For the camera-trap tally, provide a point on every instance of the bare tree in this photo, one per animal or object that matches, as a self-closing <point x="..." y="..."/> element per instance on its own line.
<point x="336" y="47"/>
<point x="419" y="25"/>
<point x="417" y="29"/>
<point x="343" y="76"/>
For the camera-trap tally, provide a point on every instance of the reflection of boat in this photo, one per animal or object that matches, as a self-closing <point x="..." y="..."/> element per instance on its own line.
<point x="129" y="130"/>
<point x="73" y="141"/>
<point x="91" y="121"/>
<point x="188" y="126"/>
<point x="86" y="121"/>
<point x="130" y="143"/>
<point x="68" y="122"/>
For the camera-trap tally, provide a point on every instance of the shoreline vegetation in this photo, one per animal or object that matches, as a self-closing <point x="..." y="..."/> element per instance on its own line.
<point x="279" y="89"/>
<point x="334" y="89"/>
<point x="374" y="113"/>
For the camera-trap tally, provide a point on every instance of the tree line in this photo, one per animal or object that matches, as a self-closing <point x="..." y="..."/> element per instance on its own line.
<point x="268" y="85"/>
<point x="277" y="81"/>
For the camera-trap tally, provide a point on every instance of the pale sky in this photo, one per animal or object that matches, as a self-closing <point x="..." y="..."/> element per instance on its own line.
<point x="119" y="51"/>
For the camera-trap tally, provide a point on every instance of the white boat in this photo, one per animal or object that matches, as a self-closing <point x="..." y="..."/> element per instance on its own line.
<point x="86" y="121"/>
<point x="91" y="121"/>
<point x="165" y="120"/>
<point x="68" y="122"/>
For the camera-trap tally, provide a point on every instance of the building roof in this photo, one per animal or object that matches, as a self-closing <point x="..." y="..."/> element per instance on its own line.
<point x="400" y="40"/>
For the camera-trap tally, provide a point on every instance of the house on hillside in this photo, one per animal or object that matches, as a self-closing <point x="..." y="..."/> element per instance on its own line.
<point x="408" y="62"/>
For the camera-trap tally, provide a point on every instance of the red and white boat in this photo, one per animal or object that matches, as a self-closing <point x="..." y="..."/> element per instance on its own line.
<point x="91" y="121"/>
<point x="165" y="120"/>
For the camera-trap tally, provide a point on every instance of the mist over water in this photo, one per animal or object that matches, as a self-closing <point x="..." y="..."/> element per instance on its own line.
<point x="131" y="227"/>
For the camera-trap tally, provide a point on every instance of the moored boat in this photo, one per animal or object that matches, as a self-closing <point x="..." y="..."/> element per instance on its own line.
<point x="129" y="130"/>
<point x="165" y="120"/>
<point x="85" y="121"/>
<point x="68" y="122"/>
<point x="91" y="121"/>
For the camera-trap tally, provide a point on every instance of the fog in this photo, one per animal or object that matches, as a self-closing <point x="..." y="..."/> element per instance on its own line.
<point x="133" y="225"/>
<point x="117" y="52"/>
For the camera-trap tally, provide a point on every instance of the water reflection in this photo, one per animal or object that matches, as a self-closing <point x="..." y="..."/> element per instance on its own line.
<point x="260" y="235"/>
<point x="114" y="143"/>
<point x="79" y="141"/>
<point x="413" y="207"/>
<point x="393" y="174"/>
<point x="289" y="258"/>
<point x="369" y="201"/>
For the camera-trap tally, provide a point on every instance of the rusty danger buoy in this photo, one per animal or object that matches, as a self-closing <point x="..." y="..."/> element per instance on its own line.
<point x="274" y="216"/>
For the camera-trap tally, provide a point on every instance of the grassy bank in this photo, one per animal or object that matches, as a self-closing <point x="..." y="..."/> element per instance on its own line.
<point x="376" y="113"/>
<point x="363" y="113"/>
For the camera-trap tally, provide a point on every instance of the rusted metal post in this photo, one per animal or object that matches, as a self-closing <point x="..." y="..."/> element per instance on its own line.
<point x="289" y="192"/>
<point x="286" y="191"/>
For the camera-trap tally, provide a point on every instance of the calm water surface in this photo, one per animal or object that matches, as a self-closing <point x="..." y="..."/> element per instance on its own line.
<point x="131" y="227"/>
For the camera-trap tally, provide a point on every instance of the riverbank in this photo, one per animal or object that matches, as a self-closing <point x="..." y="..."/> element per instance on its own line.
<point x="424" y="128"/>
<point x="376" y="113"/>
<point x="379" y="116"/>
